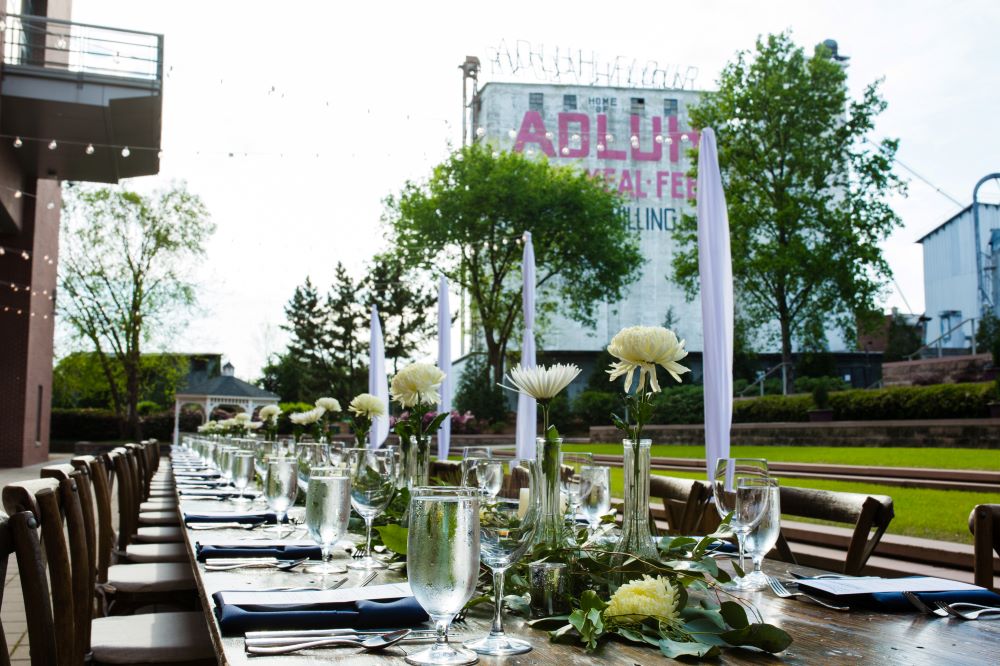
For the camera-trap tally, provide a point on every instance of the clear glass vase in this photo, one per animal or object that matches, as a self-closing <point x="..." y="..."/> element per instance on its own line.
<point x="552" y="532"/>
<point x="636" y="539"/>
<point x="417" y="461"/>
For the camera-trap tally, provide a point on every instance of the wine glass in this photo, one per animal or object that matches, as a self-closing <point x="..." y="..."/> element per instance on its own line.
<point x="490" y="475"/>
<point x="729" y="473"/>
<point x="444" y="530"/>
<point x="569" y="477"/>
<point x="328" y="508"/>
<point x="281" y="486"/>
<point x="506" y="527"/>
<point x="311" y="454"/>
<point x="595" y="494"/>
<point x="241" y="470"/>
<point x="762" y="538"/>
<point x="373" y="482"/>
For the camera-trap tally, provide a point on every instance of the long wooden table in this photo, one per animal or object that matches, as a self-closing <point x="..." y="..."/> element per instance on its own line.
<point x="820" y="635"/>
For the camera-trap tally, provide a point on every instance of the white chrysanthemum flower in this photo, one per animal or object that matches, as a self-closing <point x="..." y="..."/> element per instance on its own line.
<point x="543" y="382"/>
<point x="227" y="423"/>
<point x="307" y="418"/>
<point x="255" y="425"/>
<point x="329" y="404"/>
<point x="647" y="597"/>
<point x="269" y="412"/>
<point x="642" y="348"/>
<point x="242" y="418"/>
<point x="417" y="384"/>
<point x="368" y="405"/>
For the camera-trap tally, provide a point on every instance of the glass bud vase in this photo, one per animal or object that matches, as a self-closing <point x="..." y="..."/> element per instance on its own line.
<point x="418" y="462"/>
<point x="552" y="532"/>
<point x="636" y="539"/>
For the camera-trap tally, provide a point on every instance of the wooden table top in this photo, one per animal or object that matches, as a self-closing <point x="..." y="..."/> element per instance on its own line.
<point x="820" y="635"/>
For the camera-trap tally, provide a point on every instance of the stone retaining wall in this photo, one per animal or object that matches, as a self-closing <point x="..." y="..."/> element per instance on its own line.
<point x="945" y="433"/>
<point x="944" y="370"/>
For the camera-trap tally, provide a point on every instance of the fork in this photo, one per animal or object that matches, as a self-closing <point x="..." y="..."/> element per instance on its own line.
<point x="969" y="615"/>
<point x="782" y="591"/>
<point x="367" y="579"/>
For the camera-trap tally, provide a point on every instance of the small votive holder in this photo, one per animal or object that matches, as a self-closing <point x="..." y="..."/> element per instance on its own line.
<point x="549" y="588"/>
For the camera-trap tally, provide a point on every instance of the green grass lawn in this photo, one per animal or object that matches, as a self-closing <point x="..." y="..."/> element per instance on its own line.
<point x="930" y="514"/>
<point x="884" y="457"/>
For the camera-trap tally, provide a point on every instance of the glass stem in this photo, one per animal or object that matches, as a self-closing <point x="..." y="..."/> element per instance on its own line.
<point x="441" y="626"/>
<point x="758" y="561"/>
<point x="741" y="538"/>
<point x="368" y="539"/>
<point x="497" y="629"/>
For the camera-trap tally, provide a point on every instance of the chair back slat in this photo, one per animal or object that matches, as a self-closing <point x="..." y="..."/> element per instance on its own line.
<point x="6" y="549"/>
<point x="71" y="493"/>
<point x="127" y="518"/>
<point x="870" y="515"/>
<point x="105" y="525"/>
<point x="60" y="571"/>
<point x="85" y="487"/>
<point x="34" y="588"/>
<point x="684" y="502"/>
<point x="984" y="522"/>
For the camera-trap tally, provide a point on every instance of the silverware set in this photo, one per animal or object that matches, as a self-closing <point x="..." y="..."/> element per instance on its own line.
<point x="367" y="642"/>
<point x="780" y="590"/>
<point x="961" y="610"/>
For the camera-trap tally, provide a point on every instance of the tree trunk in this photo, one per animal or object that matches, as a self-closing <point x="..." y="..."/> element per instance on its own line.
<point x="786" y="352"/>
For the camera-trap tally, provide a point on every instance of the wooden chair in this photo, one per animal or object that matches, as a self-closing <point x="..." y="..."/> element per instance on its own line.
<point x="163" y="638"/>
<point x="449" y="471"/>
<point x="870" y="515"/>
<point x="684" y="502"/>
<point x="984" y="522"/>
<point x="19" y="534"/>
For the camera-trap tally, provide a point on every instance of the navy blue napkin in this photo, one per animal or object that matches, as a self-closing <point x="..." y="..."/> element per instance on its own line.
<point x="221" y="493"/>
<point x="892" y="602"/>
<point x="245" y="518"/>
<point x="364" y="614"/>
<point x="276" y="551"/>
<point x="195" y="475"/>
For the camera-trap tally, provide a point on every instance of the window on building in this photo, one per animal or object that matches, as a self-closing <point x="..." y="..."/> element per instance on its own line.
<point x="536" y="101"/>
<point x="569" y="102"/>
<point x="670" y="107"/>
<point x="638" y="106"/>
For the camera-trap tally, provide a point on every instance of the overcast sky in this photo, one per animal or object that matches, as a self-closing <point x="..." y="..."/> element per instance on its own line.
<point x="330" y="107"/>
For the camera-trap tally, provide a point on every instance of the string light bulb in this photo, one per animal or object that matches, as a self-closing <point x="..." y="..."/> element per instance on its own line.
<point x="53" y="145"/>
<point x="50" y="205"/>
<point x="480" y="131"/>
<point x="17" y="142"/>
<point x="17" y="194"/>
<point x="89" y="149"/>
<point x="511" y="133"/>
<point x="565" y="150"/>
<point x="2" y="251"/>
<point x="25" y="255"/>
<point x="126" y="152"/>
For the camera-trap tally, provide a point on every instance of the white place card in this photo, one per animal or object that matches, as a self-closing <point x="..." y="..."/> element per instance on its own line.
<point x="846" y="586"/>
<point x="311" y="597"/>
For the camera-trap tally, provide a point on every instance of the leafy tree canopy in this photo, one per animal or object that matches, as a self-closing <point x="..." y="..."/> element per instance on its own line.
<point x="807" y="192"/>
<point x="467" y="221"/>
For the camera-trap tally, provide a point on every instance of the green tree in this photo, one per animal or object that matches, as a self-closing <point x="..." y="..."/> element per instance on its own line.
<point x="79" y="380"/>
<point x="348" y="322"/>
<point x="405" y="303"/>
<point x="902" y="339"/>
<point x="123" y="277"/>
<point x="467" y="221"/>
<point x="478" y="393"/>
<point x="807" y="193"/>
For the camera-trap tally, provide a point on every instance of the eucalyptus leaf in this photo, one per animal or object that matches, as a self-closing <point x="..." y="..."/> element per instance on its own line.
<point x="764" y="636"/>
<point x="674" y="649"/>
<point x="734" y="614"/>
<point x="549" y="623"/>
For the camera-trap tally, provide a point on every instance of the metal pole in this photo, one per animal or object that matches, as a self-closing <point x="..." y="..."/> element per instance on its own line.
<point x="983" y="297"/>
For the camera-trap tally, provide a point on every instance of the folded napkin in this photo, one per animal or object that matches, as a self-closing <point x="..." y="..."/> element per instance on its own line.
<point x="249" y="518"/>
<point x="215" y="492"/>
<point x="891" y="602"/>
<point x="196" y="475"/>
<point x="280" y="551"/>
<point x="360" y="614"/>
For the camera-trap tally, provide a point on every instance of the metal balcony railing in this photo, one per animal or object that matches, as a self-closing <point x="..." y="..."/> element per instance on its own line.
<point x="77" y="48"/>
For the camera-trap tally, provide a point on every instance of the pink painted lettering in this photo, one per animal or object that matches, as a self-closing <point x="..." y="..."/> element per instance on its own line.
<point x="582" y="123"/>
<point x="533" y="131"/>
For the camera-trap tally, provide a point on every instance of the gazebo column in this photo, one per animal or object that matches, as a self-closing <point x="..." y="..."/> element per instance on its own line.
<point x="177" y="421"/>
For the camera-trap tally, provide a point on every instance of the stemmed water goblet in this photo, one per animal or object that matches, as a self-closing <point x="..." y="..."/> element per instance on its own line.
<point x="281" y="487"/>
<point x="241" y="469"/>
<point x="764" y="536"/>
<point x="311" y="454"/>
<point x="373" y="482"/>
<point x="569" y="476"/>
<point x="506" y="527"/>
<point x="445" y="530"/>
<point x="489" y="476"/>
<point x="595" y="494"/>
<point x="729" y="474"/>
<point x="328" y="509"/>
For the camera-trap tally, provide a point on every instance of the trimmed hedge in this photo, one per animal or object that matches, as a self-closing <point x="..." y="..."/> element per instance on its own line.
<point x="101" y="425"/>
<point x="685" y="405"/>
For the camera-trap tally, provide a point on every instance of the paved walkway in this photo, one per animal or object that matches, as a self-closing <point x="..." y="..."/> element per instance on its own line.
<point x="15" y="626"/>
